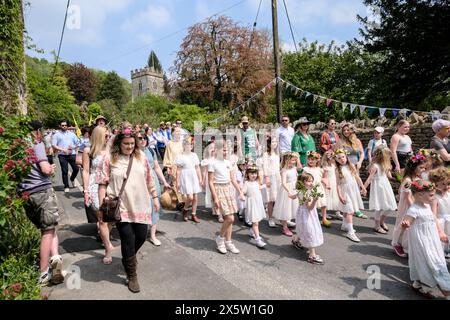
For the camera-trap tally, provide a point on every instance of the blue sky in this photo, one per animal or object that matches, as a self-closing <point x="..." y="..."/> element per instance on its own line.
<point x="119" y="34"/>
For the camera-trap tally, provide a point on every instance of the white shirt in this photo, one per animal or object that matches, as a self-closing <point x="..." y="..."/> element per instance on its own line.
<point x="221" y="169"/>
<point x="285" y="136"/>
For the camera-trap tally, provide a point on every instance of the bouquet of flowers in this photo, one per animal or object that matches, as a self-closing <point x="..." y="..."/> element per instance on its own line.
<point x="305" y="195"/>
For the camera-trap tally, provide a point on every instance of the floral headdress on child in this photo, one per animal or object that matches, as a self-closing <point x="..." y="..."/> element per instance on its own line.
<point x="252" y="167"/>
<point x="340" y="151"/>
<point x="417" y="157"/>
<point x="313" y="154"/>
<point x="421" y="186"/>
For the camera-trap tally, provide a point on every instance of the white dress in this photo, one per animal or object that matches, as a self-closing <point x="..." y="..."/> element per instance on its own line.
<point x="254" y="203"/>
<point x="402" y="208"/>
<point x="317" y="173"/>
<point x="308" y="227"/>
<point x="189" y="183"/>
<point x="426" y="258"/>
<point x="382" y="196"/>
<point x="208" y="196"/>
<point x="331" y="195"/>
<point x="285" y="208"/>
<point x="443" y="212"/>
<point x="240" y="182"/>
<point x="351" y="193"/>
<point x="271" y="169"/>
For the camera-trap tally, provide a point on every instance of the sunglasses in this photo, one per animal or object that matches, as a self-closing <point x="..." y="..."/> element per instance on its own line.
<point x="284" y="120"/>
<point x="64" y="125"/>
<point x="141" y="138"/>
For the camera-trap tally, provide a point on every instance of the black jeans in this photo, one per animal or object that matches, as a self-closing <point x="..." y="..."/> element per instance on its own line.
<point x="161" y="152"/>
<point x="64" y="161"/>
<point x="132" y="237"/>
<point x="50" y="158"/>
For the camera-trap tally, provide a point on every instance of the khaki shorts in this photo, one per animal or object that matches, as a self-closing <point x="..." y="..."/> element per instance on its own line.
<point x="43" y="210"/>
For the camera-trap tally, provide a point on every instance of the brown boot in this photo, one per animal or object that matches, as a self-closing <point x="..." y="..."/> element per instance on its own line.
<point x="130" y="265"/>
<point x="185" y="215"/>
<point x="195" y="218"/>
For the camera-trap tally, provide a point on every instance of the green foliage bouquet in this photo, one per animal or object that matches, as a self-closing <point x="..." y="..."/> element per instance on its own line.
<point x="305" y="195"/>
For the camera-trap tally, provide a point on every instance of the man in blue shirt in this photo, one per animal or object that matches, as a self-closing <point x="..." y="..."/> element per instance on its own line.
<point x="163" y="136"/>
<point x="66" y="144"/>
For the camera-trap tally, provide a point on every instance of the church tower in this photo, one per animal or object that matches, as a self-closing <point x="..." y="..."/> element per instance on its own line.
<point x="149" y="79"/>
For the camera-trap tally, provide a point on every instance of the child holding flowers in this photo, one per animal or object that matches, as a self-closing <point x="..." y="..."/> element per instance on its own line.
<point x="309" y="232"/>
<point x="427" y="265"/>
<point x="320" y="177"/>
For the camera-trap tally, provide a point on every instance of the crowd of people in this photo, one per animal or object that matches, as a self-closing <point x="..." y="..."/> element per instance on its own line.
<point x="284" y="179"/>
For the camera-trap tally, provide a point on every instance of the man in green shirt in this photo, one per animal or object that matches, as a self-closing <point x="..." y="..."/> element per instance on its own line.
<point x="247" y="141"/>
<point x="303" y="142"/>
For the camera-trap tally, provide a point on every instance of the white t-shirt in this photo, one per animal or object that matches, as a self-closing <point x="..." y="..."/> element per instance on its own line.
<point x="285" y="136"/>
<point x="221" y="169"/>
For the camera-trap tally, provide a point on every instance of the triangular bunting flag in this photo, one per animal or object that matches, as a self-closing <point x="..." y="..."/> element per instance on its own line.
<point x="382" y="111"/>
<point x="308" y="94"/>
<point x="361" y="109"/>
<point x="269" y="86"/>
<point x="352" y="107"/>
<point x="329" y="102"/>
<point x="395" y="112"/>
<point x="263" y="90"/>
<point x="371" y="111"/>
<point x="344" y="105"/>
<point x="296" y="90"/>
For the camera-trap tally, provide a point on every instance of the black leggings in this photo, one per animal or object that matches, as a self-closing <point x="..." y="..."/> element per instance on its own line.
<point x="132" y="237"/>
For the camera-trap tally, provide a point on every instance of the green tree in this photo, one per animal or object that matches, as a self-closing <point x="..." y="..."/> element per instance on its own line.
<point x="413" y="38"/>
<point x="110" y="111"/>
<point x="94" y="110"/>
<point x="112" y="88"/>
<point x="81" y="81"/>
<point x="153" y="62"/>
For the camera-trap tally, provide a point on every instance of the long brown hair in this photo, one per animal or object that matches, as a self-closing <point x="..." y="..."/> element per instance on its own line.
<point x="351" y="140"/>
<point x="115" y="149"/>
<point x="350" y="166"/>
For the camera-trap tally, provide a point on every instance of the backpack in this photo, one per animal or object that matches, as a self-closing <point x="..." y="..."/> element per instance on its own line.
<point x="366" y="149"/>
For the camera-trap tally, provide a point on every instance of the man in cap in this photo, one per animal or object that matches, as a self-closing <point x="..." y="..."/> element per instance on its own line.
<point x="248" y="143"/>
<point x="42" y="208"/>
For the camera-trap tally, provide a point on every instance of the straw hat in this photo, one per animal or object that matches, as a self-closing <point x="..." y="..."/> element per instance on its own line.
<point x="169" y="199"/>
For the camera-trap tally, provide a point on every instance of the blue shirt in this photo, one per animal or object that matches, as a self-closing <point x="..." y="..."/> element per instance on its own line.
<point x="65" y="140"/>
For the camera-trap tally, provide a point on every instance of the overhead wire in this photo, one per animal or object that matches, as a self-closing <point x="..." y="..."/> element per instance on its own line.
<point x="254" y="24"/>
<point x="290" y="25"/>
<point x="61" y="39"/>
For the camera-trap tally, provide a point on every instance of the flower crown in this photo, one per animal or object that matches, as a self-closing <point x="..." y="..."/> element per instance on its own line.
<point x="422" y="186"/>
<point x="340" y="151"/>
<point x="417" y="157"/>
<point x="252" y="167"/>
<point x="313" y="154"/>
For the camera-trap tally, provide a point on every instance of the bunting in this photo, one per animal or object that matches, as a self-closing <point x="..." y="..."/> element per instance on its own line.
<point x="352" y="107"/>
<point x="382" y="111"/>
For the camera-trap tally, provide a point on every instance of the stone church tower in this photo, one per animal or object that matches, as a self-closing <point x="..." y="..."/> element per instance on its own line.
<point x="146" y="80"/>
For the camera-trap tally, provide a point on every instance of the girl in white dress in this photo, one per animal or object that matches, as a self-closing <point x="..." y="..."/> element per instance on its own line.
<point x="427" y="265"/>
<point x="240" y="174"/>
<point x="415" y="166"/>
<point x="331" y="195"/>
<point x="189" y="178"/>
<point x="320" y="178"/>
<point x="209" y="158"/>
<point x="441" y="206"/>
<point x="382" y="198"/>
<point x="308" y="226"/>
<point x="272" y="177"/>
<point x="286" y="204"/>
<point x="255" y="211"/>
<point x="347" y="180"/>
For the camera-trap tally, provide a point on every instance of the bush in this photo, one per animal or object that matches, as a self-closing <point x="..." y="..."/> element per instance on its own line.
<point x="19" y="239"/>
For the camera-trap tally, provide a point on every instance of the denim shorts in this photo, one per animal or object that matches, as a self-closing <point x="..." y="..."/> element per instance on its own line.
<point x="43" y="210"/>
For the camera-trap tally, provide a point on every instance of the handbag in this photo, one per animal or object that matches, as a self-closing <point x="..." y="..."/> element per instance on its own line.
<point x="111" y="207"/>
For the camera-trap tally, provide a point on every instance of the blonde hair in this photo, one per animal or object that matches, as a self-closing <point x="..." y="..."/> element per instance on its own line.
<point x="98" y="141"/>
<point x="324" y="161"/>
<point x="382" y="157"/>
<point x="287" y="157"/>
<point x="439" y="174"/>
<point x="400" y="123"/>
<point x="351" y="140"/>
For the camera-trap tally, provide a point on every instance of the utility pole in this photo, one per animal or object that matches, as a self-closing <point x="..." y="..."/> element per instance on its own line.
<point x="276" y="55"/>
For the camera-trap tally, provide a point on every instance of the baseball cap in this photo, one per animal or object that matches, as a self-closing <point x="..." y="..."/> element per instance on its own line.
<point x="379" y="129"/>
<point x="244" y="119"/>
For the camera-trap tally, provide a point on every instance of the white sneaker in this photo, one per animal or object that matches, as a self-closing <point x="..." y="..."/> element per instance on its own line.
<point x="56" y="265"/>
<point x="251" y="233"/>
<point x="45" y="278"/>
<point x="220" y="218"/>
<point x="260" y="242"/>
<point x="221" y="245"/>
<point x="339" y="215"/>
<point x="66" y="190"/>
<point x="290" y="224"/>
<point x="230" y="246"/>
<point x="72" y="183"/>
<point x="271" y="223"/>
<point x="344" y="227"/>
<point x="352" y="236"/>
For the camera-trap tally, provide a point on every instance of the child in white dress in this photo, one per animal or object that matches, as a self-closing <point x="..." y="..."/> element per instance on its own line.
<point x="209" y="158"/>
<point x="441" y="206"/>
<point x="308" y="226"/>
<point x="272" y="177"/>
<point x="331" y="195"/>
<point x="286" y="204"/>
<point x="189" y="178"/>
<point x="427" y="265"/>
<point x="415" y="166"/>
<point x="255" y="211"/>
<point x="240" y="174"/>
<point x="347" y="180"/>
<point x="320" y="178"/>
<point x="382" y="198"/>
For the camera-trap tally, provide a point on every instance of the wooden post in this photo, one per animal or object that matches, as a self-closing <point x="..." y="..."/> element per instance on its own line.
<point x="276" y="55"/>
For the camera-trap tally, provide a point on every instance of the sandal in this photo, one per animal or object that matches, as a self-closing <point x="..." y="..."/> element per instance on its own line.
<point x="384" y="226"/>
<point x="107" y="260"/>
<point x="360" y="215"/>
<point x="380" y="230"/>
